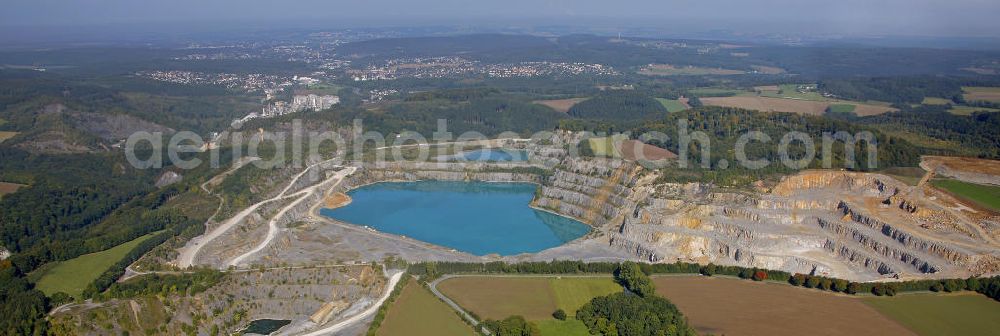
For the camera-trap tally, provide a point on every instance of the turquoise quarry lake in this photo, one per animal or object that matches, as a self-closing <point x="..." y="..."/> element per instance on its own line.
<point x="476" y="217"/>
<point x="488" y="155"/>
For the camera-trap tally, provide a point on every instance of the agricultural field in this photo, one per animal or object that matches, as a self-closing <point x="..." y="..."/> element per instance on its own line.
<point x="72" y="276"/>
<point x="673" y="105"/>
<point x="418" y="312"/>
<point x="791" y="91"/>
<point x="4" y="135"/>
<point x="323" y="88"/>
<point x="769" y="104"/>
<point x="840" y="108"/>
<point x="974" y="93"/>
<point x="535" y="298"/>
<point x="715" y="305"/>
<point x="560" y="105"/>
<point x="672" y="70"/>
<point x="938" y="314"/>
<point x="935" y="101"/>
<point x="968" y="110"/>
<point x="715" y="92"/>
<point x="982" y="195"/>
<point x="9" y="188"/>
<point x="767" y="70"/>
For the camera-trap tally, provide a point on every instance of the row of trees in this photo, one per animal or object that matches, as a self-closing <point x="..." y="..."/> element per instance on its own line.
<point x="164" y="284"/>
<point x="632" y="275"/>
<point x="986" y="286"/>
<point x="384" y="309"/>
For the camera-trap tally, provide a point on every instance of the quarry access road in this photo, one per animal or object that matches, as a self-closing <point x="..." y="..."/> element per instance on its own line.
<point x="272" y="225"/>
<point x="389" y="287"/>
<point x="190" y="251"/>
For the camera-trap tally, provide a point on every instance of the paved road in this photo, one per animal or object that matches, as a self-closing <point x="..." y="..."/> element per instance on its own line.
<point x="455" y="306"/>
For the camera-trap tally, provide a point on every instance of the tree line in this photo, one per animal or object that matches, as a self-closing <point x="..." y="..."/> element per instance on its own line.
<point x="988" y="286"/>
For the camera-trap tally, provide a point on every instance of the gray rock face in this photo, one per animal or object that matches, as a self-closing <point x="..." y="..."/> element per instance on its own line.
<point x="855" y="226"/>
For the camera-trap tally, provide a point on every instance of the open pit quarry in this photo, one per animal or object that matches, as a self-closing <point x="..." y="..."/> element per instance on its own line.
<point x="850" y="225"/>
<point x="856" y="226"/>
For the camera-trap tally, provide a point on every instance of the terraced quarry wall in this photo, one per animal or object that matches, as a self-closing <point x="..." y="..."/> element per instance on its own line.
<point x="851" y="225"/>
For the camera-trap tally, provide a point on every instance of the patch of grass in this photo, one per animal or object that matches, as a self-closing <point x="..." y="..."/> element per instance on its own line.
<point x="573" y="293"/>
<point x="935" y="101"/>
<point x="569" y="327"/>
<point x="840" y="108"/>
<point x="72" y="276"/>
<point x="908" y="175"/>
<point x="672" y="105"/>
<point x="4" y="135"/>
<point x="934" y="314"/>
<point x="535" y="298"/>
<point x="418" y="312"/>
<point x="983" y="195"/>
<point x="605" y="147"/>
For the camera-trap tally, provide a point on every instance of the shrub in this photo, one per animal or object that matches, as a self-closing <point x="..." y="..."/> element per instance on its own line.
<point x="812" y="282"/>
<point x="798" y="279"/>
<point x="708" y="270"/>
<point x="759" y="276"/>
<point x="840" y="285"/>
<point x="559" y="315"/>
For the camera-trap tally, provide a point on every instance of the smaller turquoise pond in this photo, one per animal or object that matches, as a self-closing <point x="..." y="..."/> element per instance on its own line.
<point x="490" y="155"/>
<point x="476" y="217"/>
<point x="265" y="326"/>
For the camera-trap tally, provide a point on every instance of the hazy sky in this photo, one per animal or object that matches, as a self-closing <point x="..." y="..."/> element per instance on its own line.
<point x="895" y="17"/>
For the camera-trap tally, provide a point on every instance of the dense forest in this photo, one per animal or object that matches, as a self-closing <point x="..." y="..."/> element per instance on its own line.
<point x="618" y="105"/>
<point x="974" y="135"/>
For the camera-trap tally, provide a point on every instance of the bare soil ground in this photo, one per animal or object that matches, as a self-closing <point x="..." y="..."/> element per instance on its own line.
<point x="336" y="200"/>
<point x="7" y="188"/>
<point x="768" y="104"/>
<point x="740" y="307"/>
<point x="560" y="105"/>
<point x="965" y="164"/>
<point x="630" y="152"/>
<point x="991" y="94"/>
